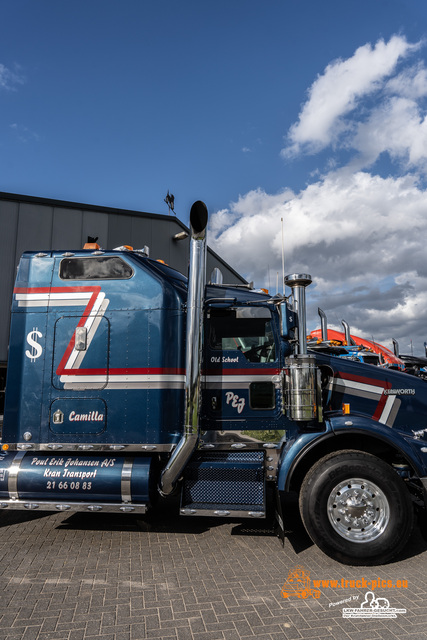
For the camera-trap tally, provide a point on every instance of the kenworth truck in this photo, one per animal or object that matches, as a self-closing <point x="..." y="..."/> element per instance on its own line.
<point x="129" y="383"/>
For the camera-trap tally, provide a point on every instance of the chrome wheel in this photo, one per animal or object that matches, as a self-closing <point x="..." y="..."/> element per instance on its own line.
<point x="358" y="510"/>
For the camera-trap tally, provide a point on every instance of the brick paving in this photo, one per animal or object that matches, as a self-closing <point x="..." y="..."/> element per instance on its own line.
<point x="123" y="577"/>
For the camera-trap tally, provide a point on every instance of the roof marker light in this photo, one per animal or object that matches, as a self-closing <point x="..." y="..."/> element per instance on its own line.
<point x="94" y="246"/>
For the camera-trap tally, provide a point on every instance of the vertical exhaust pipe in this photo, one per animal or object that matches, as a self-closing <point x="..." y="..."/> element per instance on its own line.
<point x="216" y="276"/>
<point x="323" y="324"/>
<point x="302" y="392"/>
<point x="298" y="284"/>
<point x="349" y="340"/>
<point x="193" y="349"/>
<point x="396" y="347"/>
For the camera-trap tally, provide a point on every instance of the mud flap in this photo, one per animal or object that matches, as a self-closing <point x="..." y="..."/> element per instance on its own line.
<point x="278" y="517"/>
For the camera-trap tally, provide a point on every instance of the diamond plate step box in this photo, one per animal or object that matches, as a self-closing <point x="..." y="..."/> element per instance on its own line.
<point x="225" y="483"/>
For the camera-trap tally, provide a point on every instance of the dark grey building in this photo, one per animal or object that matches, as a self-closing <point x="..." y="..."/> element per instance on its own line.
<point x="35" y="224"/>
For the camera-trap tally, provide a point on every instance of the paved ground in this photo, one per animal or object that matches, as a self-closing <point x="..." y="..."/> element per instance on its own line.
<point x="121" y="577"/>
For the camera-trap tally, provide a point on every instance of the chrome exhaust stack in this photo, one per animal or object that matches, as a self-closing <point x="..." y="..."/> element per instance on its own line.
<point x="396" y="347"/>
<point x="217" y="276"/>
<point x="323" y="324"/>
<point x="298" y="283"/>
<point x="302" y="392"/>
<point x="349" y="340"/>
<point x="193" y="350"/>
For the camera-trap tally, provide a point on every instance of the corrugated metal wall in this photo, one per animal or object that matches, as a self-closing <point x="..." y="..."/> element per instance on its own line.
<point x="34" y="224"/>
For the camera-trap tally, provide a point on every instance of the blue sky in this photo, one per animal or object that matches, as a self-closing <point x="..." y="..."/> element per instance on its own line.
<point x="303" y="110"/>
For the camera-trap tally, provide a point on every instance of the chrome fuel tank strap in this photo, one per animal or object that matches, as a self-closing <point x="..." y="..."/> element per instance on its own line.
<point x="12" y="481"/>
<point x="126" y="480"/>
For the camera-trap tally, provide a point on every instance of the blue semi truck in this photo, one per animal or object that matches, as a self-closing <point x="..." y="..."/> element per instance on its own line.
<point x="129" y="383"/>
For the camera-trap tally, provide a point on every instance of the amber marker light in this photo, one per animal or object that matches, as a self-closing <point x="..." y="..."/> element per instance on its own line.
<point x="345" y="409"/>
<point x="91" y="245"/>
<point x="5" y="447"/>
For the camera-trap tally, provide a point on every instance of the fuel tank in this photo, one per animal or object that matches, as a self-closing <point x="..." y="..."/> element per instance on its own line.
<point x="62" y="481"/>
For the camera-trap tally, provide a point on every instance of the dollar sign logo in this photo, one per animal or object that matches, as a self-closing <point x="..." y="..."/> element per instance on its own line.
<point x="36" y="348"/>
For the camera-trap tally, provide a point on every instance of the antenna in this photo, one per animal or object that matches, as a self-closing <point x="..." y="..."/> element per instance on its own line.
<point x="170" y="201"/>
<point x="283" y="258"/>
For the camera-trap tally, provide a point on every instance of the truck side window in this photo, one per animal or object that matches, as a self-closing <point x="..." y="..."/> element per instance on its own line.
<point x="262" y="395"/>
<point x="95" y="268"/>
<point x="247" y="330"/>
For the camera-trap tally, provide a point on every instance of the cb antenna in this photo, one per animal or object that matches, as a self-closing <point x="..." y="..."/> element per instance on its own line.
<point x="170" y="201"/>
<point x="283" y="258"/>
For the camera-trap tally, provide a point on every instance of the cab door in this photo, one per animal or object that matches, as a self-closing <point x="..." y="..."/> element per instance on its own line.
<point x="243" y="379"/>
<point x="80" y="341"/>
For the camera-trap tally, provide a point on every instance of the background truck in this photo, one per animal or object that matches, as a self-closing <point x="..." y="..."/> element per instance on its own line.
<point x="352" y="347"/>
<point x="129" y="383"/>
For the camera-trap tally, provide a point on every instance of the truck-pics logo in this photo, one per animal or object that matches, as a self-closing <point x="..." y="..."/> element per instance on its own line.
<point x="298" y="584"/>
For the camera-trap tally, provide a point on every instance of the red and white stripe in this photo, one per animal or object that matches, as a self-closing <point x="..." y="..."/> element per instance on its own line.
<point x="72" y="375"/>
<point x="370" y="389"/>
<point x="91" y="298"/>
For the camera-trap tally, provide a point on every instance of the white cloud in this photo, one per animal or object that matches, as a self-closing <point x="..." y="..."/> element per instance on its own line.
<point x="397" y="126"/>
<point x="339" y="217"/>
<point x="9" y="79"/>
<point x="360" y="235"/>
<point x="337" y="91"/>
<point x="357" y="234"/>
<point x="411" y="83"/>
<point x="24" y="134"/>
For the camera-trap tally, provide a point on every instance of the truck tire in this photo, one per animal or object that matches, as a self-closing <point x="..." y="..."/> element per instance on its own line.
<point x="356" y="508"/>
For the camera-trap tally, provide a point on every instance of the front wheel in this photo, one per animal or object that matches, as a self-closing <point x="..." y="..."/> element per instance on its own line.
<point x="356" y="508"/>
